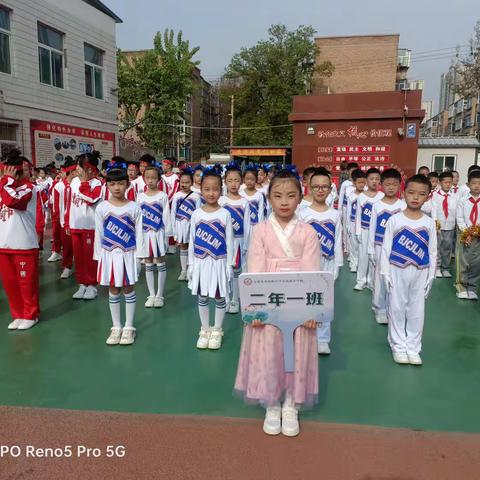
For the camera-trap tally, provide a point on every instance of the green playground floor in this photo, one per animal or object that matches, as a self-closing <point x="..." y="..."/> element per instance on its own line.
<point x="63" y="362"/>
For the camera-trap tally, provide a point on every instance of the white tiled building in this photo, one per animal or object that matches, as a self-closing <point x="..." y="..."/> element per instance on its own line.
<point x="58" y="78"/>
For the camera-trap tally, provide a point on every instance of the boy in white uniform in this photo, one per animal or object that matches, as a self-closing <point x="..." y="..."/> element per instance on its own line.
<point x="382" y="211"/>
<point x="444" y="207"/>
<point x="360" y="181"/>
<point x="346" y="188"/>
<point x="366" y="201"/>
<point x="327" y="223"/>
<point x="408" y="262"/>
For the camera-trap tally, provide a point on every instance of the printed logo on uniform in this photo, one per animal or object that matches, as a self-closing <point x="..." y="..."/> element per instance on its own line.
<point x="210" y="240"/>
<point x="366" y="214"/>
<point x="237" y="212"/>
<point x="326" y="236"/>
<point x="119" y="232"/>
<point x="152" y="216"/>
<point x="410" y="247"/>
<point x="382" y="219"/>
<point x="185" y="209"/>
<point x="254" y="206"/>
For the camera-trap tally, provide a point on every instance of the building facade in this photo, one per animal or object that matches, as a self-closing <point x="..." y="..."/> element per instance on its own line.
<point x="58" y="79"/>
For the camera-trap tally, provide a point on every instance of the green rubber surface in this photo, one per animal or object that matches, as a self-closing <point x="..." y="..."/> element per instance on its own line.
<point x="63" y="362"/>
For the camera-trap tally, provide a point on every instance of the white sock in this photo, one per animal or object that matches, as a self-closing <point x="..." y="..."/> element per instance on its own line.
<point x="203" y="312"/>
<point x="162" y="278"/>
<point x="183" y="259"/>
<point x="220" y="308"/>
<point x="235" y="288"/>
<point x="150" y="276"/>
<point x="130" y="304"/>
<point x="288" y="402"/>
<point x="114" y="303"/>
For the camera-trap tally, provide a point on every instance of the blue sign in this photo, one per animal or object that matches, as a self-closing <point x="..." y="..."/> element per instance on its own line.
<point x="411" y="130"/>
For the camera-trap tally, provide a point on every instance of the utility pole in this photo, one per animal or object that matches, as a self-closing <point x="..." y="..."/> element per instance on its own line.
<point x="232" y="106"/>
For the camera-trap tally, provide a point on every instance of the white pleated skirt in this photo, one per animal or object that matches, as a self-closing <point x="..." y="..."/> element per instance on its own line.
<point x="117" y="268"/>
<point x="209" y="277"/>
<point x="182" y="230"/>
<point x="155" y="243"/>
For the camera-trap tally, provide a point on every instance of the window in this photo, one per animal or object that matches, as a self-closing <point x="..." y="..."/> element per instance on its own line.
<point x="8" y="138"/>
<point x="441" y="163"/>
<point x="50" y="56"/>
<point x="93" y="72"/>
<point x="5" y="65"/>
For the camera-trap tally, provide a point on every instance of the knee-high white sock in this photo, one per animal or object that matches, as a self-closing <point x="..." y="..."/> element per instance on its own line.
<point x="150" y="276"/>
<point x="162" y="278"/>
<point x="235" y="288"/>
<point x="203" y="312"/>
<point x="220" y="308"/>
<point x="114" y="303"/>
<point x="183" y="259"/>
<point x="130" y="304"/>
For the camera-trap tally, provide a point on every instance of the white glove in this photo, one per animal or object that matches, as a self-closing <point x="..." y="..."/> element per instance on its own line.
<point x="428" y="286"/>
<point x="372" y="259"/>
<point x="358" y="238"/>
<point x="229" y="273"/>
<point x="190" y="273"/>
<point x="335" y="275"/>
<point x="388" y="282"/>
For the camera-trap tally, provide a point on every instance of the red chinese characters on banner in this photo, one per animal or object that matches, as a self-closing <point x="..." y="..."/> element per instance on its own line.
<point x="361" y="149"/>
<point x="362" y="158"/>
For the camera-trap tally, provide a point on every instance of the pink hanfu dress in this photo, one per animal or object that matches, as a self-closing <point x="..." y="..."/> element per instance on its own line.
<point x="261" y="377"/>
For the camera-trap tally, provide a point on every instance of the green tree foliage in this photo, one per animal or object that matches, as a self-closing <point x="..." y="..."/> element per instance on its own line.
<point x="154" y="86"/>
<point x="469" y="67"/>
<point x="266" y="77"/>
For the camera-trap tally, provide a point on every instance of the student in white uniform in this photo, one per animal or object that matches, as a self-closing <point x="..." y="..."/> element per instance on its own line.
<point x="408" y="263"/>
<point x="239" y="210"/>
<point x="255" y="198"/>
<point x="359" y="180"/>
<point x="389" y="205"/>
<point x="326" y="222"/>
<point x="118" y="241"/>
<point x="444" y="208"/>
<point x="366" y="201"/>
<point x="156" y="230"/>
<point x="428" y="205"/>
<point x="184" y="203"/>
<point x="197" y="179"/>
<point x="210" y="259"/>
<point x="346" y="188"/>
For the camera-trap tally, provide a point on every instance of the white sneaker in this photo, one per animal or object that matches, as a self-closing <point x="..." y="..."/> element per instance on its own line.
<point x="272" y="424"/>
<point x="128" y="336"/>
<point x="472" y="295"/>
<point x="414" y="359"/>
<point x="14" y="325"/>
<point x="353" y="269"/>
<point x="463" y="295"/>
<point x="26" y="324"/>
<point x="290" y="425"/>
<point x="381" y="318"/>
<point x="215" y="340"/>
<point x="54" y="257"/>
<point x="203" y="338"/>
<point x="400" y="357"/>
<point x="446" y="274"/>
<point x="323" y="348"/>
<point x="115" y="336"/>
<point x="438" y="273"/>
<point x="359" y="287"/>
<point x="78" y="295"/>
<point x="90" y="293"/>
<point x="67" y="273"/>
<point x="150" y="302"/>
<point x="183" y="276"/>
<point x="234" y="307"/>
<point x="159" y="302"/>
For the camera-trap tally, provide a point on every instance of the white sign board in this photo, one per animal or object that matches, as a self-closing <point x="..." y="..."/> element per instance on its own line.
<point x="287" y="300"/>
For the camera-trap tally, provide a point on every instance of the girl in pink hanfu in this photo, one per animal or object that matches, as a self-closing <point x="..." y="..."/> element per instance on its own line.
<point x="280" y="244"/>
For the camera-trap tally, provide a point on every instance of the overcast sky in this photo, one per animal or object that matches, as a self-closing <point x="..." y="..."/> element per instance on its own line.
<point x="221" y="27"/>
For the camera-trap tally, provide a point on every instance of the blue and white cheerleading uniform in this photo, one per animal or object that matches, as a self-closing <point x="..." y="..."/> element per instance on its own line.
<point x="118" y="243"/>
<point x="328" y="226"/>
<point x="156" y="223"/>
<point x="257" y="206"/>
<point x="240" y="213"/>
<point x="210" y="252"/>
<point x="350" y="226"/>
<point x="381" y="213"/>
<point x="362" y="226"/>
<point x="408" y="263"/>
<point x="183" y="206"/>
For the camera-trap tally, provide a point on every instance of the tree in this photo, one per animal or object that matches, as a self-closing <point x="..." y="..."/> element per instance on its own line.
<point x="266" y="77"/>
<point x="469" y="67"/>
<point x="154" y="86"/>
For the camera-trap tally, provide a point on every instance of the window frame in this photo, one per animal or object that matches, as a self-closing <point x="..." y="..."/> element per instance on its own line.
<point x="94" y="67"/>
<point x="444" y="156"/>
<point x="50" y="50"/>
<point x="9" y="36"/>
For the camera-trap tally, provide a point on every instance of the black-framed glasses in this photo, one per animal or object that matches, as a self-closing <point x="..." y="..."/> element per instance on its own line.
<point x="323" y="188"/>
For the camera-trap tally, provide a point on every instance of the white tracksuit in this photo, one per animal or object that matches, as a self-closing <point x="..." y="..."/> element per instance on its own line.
<point x="362" y="225"/>
<point x="349" y="227"/>
<point x="408" y="262"/>
<point x="381" y="213"/>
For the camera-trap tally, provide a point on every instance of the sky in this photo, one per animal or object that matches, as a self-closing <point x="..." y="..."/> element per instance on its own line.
<point x="430" y="28"/>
